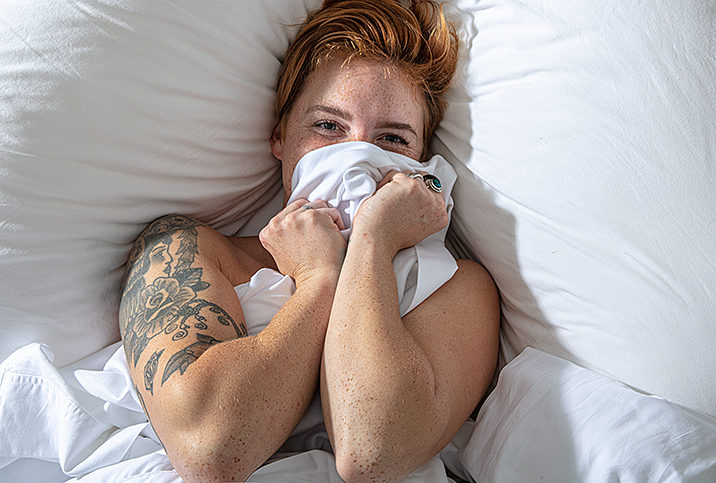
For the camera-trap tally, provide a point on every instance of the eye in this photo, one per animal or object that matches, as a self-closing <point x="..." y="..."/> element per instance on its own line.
<point x="395" y="139"/>
<point x="327" y="125"/>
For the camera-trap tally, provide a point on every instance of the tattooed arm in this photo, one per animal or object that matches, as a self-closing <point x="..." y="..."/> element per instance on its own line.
<point x="220" y="401"/>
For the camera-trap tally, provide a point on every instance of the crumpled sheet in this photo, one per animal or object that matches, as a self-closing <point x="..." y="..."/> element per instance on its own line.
<point x="346" y="174"/>
<point x="84" y="418"/>
<point x="85" y="421"/>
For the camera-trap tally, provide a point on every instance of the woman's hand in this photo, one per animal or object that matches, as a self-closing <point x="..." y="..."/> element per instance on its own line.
<point x="305" y="240"/>
<point x="401" y="213"/>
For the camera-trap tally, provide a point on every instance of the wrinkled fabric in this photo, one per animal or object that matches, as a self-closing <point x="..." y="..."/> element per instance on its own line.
<point x="346" y="174"/>
<point x="85" y="420"/>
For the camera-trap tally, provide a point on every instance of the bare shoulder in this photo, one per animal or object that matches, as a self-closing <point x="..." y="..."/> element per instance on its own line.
<point x="457" y="328"/>
<point x="474" y="278"/>
<point x="178" y="299"/>
<point x="470" y="297"/>
<point x="463" y="313"/>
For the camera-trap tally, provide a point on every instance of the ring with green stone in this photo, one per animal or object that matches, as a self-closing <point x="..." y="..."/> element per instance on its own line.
<point x="433" y="183"/>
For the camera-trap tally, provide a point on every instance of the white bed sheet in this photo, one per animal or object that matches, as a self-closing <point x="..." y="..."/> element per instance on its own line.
<point x="346" y="174"/>
<point x="85" y="420"/>
<point x="547" y="420"/>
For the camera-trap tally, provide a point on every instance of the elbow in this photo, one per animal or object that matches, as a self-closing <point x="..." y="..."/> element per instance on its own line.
<point x="371" y="465"/>
<point x="201" y="446"/>
<point x="382" y="456"/>
<point x="203" y="458"/>
<point x="358" y="468"/>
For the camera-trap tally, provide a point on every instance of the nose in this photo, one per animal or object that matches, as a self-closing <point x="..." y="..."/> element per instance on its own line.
<point x="359" y="133"/>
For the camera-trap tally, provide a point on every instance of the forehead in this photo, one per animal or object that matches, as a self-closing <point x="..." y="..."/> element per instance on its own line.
<point x="373" y="87"/>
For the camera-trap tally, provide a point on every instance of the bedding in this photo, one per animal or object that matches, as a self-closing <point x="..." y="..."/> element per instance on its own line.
<point x="551" y="420"/>
<point x="87" y="417"/>
<point x="584" y="138"/>
<point x="346" y="174"/>
<point x="584" y="142"/>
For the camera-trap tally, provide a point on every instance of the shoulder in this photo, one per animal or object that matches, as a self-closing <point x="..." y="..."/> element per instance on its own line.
<point x="457" y="327"/>
<point x="466" y="305"/>
<point x="473" y="280"/>
<point x="152" y="244"/>
<point x="179" y="241"/>
<point x="178" y="294"/>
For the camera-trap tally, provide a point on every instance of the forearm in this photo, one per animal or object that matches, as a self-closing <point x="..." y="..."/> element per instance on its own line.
<point x="236" y="404"/>
<point x="379" y="388"/>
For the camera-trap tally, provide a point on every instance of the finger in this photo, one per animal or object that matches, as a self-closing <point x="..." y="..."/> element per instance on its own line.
<point x="433" y="183"/>
<point x="430" y="181"/>
<point x="316" y="204"/>
<point x="325" y="207"/>
<point x="320" y="206"/>
<point x="389" y="177"/>
<point x="418" y="175"/>
<point x="304" y="204"/>
<point x="336" y="217"/>
<point x="295" y="205"/>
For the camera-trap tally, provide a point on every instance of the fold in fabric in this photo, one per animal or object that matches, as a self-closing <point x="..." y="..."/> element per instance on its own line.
<point x="82" y="417"/>
<point x="85" y="420"/>
<point x="346" y="174"/>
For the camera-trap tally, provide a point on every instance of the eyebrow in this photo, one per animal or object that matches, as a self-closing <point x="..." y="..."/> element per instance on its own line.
<point x="402" y="126"/>
<point x="330" y="110"/>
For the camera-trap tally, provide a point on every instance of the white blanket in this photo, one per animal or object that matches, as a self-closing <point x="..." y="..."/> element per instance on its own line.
<point x="85" y="421"/>
<point x="547" y="417"/>
<point x="346" y="174"/>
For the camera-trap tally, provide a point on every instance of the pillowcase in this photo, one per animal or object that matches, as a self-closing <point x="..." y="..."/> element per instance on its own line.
<point x="550" y="420"/>
<point x="113" y="114"/>
<point x="584" y="140"/>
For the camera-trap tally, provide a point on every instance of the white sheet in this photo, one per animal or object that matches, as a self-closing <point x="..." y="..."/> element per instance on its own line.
<point x="346" y="174"/>
<point x="547" y="418"/>
<point x="85" y="421"/>
<point x="84" y="418"/>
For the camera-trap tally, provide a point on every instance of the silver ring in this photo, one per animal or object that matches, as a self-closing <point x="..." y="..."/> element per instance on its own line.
<point x="433" y="183"/>
<point x="417" y="176"/>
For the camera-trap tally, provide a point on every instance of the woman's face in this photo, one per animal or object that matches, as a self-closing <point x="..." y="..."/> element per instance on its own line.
<point x="359" y="101"/>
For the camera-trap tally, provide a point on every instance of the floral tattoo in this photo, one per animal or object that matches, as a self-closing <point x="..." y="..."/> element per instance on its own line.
<point x="170" y="304"/>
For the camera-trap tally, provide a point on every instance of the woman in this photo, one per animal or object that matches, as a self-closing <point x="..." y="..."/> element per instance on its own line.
<point x="394" y="391"/>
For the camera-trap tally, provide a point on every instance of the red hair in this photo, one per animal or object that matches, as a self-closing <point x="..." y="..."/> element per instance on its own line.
<point x="417" y="40"/>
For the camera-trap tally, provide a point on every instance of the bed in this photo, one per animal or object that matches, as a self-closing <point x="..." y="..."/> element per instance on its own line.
<point x="583" y="134"/>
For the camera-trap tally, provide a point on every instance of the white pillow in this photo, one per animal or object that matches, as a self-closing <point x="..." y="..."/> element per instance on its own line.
<point x="584" y="138"/>
<point x="550" y="420"/>
<point x="112" y="114"/>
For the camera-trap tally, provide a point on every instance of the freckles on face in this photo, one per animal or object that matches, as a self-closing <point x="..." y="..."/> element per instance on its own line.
<point x="355" y="101"/>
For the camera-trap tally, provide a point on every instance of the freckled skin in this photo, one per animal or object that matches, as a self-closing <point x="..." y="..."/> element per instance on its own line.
<point x="394" y="391"/>
<point x="399" y="389"/>
<point x="375" y="103"/>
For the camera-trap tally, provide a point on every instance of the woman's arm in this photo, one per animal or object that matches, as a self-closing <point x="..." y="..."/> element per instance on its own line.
<point x="396" y="391"/>
<point x="220" y="401"/>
